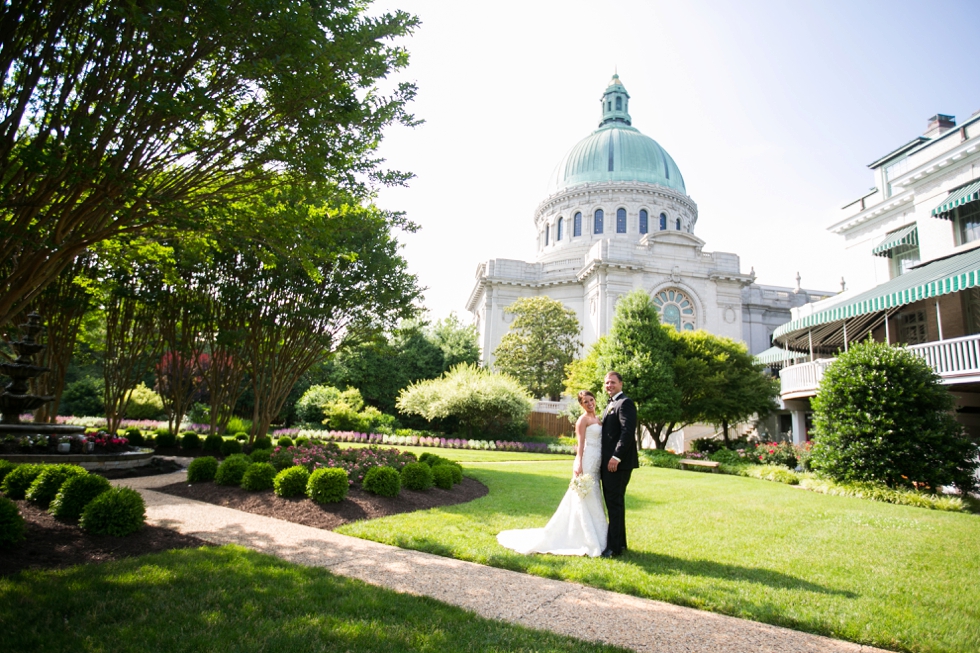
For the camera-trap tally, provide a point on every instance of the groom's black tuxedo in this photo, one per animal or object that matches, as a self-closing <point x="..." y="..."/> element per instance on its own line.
<point x="619" y="440"/>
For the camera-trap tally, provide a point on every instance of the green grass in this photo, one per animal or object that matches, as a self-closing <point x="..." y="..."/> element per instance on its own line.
<point x="897" y="577"/>
<point x="232" y="599"/>
<point x="471" y="455"/>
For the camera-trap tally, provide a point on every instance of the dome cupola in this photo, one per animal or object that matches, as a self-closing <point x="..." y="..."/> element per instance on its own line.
<point x="615" y="103"/>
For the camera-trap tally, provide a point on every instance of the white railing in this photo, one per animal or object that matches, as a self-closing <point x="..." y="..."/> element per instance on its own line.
<point x="956" y="361"/>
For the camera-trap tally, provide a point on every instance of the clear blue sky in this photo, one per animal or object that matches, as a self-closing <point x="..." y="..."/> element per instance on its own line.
<point x="771" y="109"/>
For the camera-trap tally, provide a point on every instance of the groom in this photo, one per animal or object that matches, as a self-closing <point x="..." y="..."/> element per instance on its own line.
<point x="619" y="459"/>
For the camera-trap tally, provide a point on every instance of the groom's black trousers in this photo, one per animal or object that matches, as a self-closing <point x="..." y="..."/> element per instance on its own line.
<point x="614" y="494"/>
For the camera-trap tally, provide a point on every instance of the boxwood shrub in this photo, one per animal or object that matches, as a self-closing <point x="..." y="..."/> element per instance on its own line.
<point x="383" y="481"/>
<point x="417" y="476"/>
<point x="261" y="455"/>
<point x="291" y="482"/>
<point x="241" y="437"/>
<point x="118" y="511"/>
<point x="45" y="487"/>
<point x="213" y="442"/>
<point x="301" y="441"/>
<point x="75" y="494"/>
<point x="135" y="436"/>
<point x="262" y="443"/>
<point x="5" y="468"/>
<point x="232" y="469"/>
<point x="230" y="447"/>
<point x="442" y="476"/>
<point x="432" y="459"/>
<point x="457" y="470"/>
<point x="202" y="469"/>
<point x="259" y="476"/>
<point x="12" y="526"/>
<point x="17" y="482"/>
<point x="165" y="439"/>
<point x="328" y="485"/>
<point x="284" y="441"/>
<point x="190" y="440"/>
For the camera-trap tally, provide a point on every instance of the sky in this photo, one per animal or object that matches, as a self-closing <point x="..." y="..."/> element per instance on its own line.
<point x="771" y="109"/>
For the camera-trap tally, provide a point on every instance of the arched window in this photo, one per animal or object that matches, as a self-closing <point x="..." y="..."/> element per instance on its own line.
<point x="663" y="222"/>
<point x="676" y="308"/>
<point x="620" y="221"/>
<point x="561" y="229"/>
<point x="547" y="234"/>
<point x="577" y="225"/>
<point x="644" y="221"/>
<point x="597" y="227"/>
<point x="619" y="104"/>
<point x="678" y="223"/>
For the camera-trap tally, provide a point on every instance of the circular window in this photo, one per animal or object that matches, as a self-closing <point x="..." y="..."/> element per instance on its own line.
<point x="676" y="308"/>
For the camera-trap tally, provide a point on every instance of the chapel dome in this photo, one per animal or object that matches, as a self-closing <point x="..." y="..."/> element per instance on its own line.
<point x="616" y="151"/>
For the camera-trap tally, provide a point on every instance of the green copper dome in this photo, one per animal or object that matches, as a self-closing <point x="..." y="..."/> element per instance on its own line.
<point x="616" y="151"/>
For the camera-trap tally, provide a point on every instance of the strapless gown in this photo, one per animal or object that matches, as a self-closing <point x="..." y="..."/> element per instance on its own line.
<point x="579" y="525"/>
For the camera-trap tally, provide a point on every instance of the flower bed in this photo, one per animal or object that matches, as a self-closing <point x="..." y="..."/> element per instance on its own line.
<point x="424" y="441"/>
<point x="356" y="462"/>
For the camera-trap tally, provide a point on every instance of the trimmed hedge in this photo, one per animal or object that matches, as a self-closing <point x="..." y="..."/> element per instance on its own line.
<point x="328" y="485"/>
<point x="5" y="468"/>
<point x="190" y="440"/>
<point x="230" y="447"/>
<point x="264" y="442"/>
<point x="417" y="476"/>
<point x="118" y="511"/>
<point x="202" y="469"/>
<point x="213" y="442"/>
<point x="13" y="529"/>
<point x="18" y="481"/>
<point x="165" y="439"/>
<point x="442" y="476"/>
<point x="76" y="493"/>
<point x="284" y="441"/>
<point x="261" y="456"/>
<point x="383" y="481"/>
<point x="231" y="471"/>
<point x="135" y="436"/>
<point x="291" y="482"/>
<point x="259" y="476"/>
<point x="45" y="487"/>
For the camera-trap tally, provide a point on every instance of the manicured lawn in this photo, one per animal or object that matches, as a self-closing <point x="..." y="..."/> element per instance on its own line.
<point x="473" y="455"/>
<point x="893" y="576"/>
<point x="232" y="599"/>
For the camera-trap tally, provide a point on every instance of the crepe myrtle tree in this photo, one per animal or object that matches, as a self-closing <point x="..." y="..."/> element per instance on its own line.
<point x="543" y="339"/>
<point x="120" y="116"/>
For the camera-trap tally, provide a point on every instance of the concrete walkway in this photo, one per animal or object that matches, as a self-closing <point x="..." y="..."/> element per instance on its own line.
<point x="561" y="607"/>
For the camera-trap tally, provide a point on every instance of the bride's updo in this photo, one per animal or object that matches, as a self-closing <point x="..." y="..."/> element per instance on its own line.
<point x="583" y="394"/>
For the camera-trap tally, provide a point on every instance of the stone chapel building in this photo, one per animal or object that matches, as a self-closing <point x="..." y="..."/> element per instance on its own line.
<point x="618" y="217"/>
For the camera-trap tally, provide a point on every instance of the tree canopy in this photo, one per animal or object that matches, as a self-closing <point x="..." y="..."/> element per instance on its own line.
<point x="542" y="341"/>
<point x="115" y="116"/>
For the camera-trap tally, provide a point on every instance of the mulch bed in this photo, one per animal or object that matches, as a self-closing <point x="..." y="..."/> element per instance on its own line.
<point x="300" y="510"/>
<point x="52" y="544"/>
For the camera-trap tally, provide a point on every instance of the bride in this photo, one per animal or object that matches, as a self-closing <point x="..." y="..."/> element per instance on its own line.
<point x="579" y="525"/>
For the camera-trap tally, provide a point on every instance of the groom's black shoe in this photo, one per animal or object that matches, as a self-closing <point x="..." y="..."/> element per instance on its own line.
<point x="609" y="553"/>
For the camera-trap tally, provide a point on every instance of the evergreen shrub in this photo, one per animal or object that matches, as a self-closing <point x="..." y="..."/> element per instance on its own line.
<point x="383" y="481"/>
<point x="143" y="403"/>
<point x="882" y="415"/>
<point x="417" y="476"/>
<point x="729" y="457"/>
<point x="261" y="456"/>
<point x="75" y="494"/>
<point x="328" y="485"/>
<point x="190" y="440"/>
<point x="213" y="443"/>
<point x="118" y="511"/>
<point x="232" y="469"/>
<point x="660" y="458"/>
<point x="202" y="469"/>
<point x="230" y="447"/>
<point x="13" y="529"/>
<point x="241" y="437"/>
<point x="457" y="470"/>
<point x="5" y="468"/>
<point x="706" y="445"/>
<point x="135" y="436"/>
<point x="165" y="439"/>
<point x="83" y="398"/>
<point x="259" y="476"/>
<point x="291" y="482"/>
<point x="442" y="476"/>
<point x="284" y="441"/>
<point x="18" y="480"/>
<point x="301" y="441"/>
<point x="45" y="487"/>
<point x="432" y="459"/>
<point x="264" y="442"/>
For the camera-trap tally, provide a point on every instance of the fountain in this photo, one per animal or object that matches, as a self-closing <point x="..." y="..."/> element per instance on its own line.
<point x="15" y="398"/>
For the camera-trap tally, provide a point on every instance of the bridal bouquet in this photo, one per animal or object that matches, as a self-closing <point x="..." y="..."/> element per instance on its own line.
<point x="581" y="484"/>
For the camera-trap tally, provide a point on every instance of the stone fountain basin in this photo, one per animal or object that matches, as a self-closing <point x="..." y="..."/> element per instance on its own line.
<point x="90" y="461"/>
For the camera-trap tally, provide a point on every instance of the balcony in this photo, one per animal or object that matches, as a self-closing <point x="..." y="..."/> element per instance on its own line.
<point x="955" y="361"/>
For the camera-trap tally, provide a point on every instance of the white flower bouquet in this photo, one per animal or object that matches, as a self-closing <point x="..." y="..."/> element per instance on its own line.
<point x="582" y="484"/>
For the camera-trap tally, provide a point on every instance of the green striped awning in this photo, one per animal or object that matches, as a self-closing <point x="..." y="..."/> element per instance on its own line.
<point x="778" y="355"/>
<point x="947" y="275"/>
<point x="957" y="197"/>
<point x="906" y="236"/>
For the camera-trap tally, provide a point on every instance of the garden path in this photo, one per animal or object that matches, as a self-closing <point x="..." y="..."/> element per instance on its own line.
<point x="539" y="603"/>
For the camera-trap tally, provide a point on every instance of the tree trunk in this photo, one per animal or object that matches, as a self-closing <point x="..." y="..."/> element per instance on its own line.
<point x="131" y="343"/>
<point x="724" y="430"/>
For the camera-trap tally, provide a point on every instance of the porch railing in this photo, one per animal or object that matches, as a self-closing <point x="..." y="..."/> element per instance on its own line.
<point x="956" y="360"/>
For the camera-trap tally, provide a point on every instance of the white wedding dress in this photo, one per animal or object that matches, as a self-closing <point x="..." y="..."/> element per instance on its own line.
<point x="579" y="525"/>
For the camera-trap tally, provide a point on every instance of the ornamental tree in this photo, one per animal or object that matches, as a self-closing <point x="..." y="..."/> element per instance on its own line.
<point x="485" y="403"/>
<point x="542" y="341"/>
<point x="882" y="415"/>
